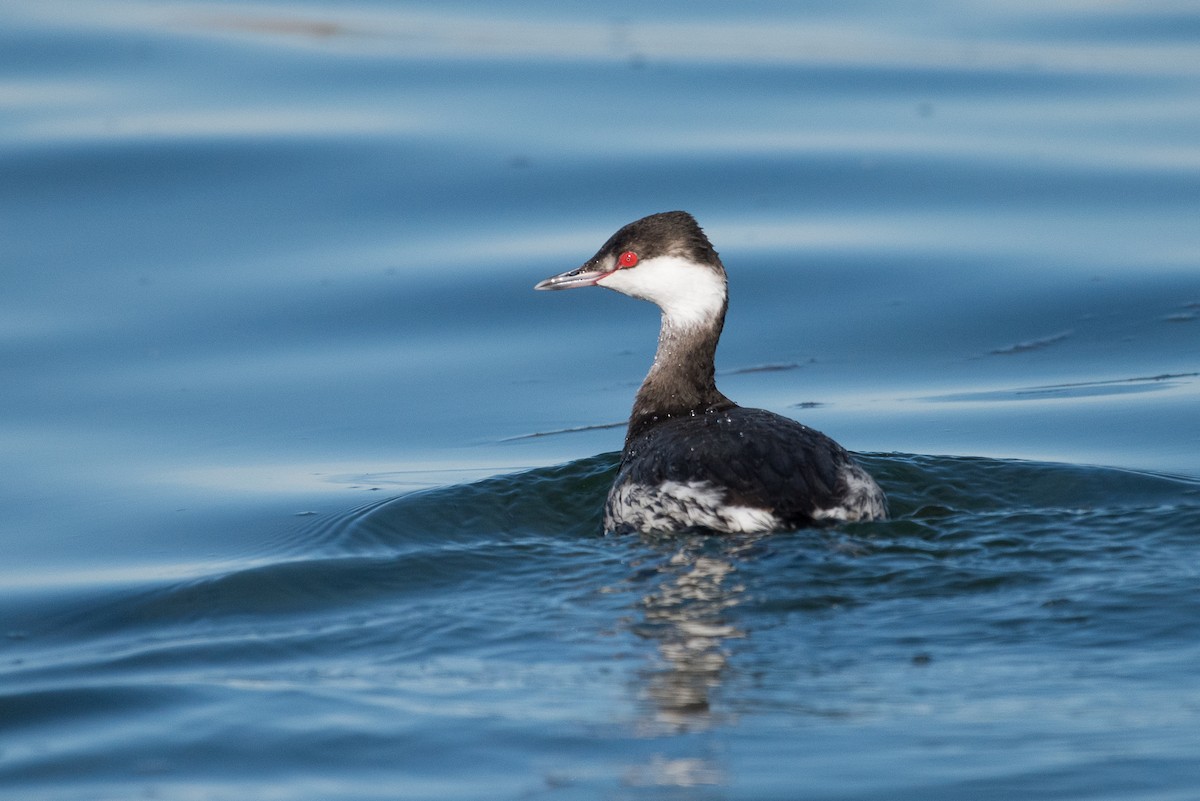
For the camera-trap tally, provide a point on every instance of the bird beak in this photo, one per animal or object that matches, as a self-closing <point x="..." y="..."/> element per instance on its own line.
<point x="587" y="275"/>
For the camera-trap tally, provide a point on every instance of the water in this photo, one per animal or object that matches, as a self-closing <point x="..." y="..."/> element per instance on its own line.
<point x="303" y="482"/>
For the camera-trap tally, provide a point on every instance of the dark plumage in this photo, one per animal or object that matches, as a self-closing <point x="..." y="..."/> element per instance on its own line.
<point x="763" y="461"/>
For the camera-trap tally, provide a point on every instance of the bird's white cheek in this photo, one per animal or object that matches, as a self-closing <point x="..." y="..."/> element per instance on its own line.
<point x="689" y="294"/>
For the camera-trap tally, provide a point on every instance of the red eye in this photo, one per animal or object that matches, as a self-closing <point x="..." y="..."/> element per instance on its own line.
<point x="628" y="259"/>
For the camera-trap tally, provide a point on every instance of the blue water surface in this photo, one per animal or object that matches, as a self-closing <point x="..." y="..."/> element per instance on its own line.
<point x="303" y="481"/>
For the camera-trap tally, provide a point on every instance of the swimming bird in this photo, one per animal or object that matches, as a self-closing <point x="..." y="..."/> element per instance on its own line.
<point x="692" y="457"/>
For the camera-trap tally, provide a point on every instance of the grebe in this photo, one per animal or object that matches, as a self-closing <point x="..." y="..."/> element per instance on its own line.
<point x="692" y="457"/>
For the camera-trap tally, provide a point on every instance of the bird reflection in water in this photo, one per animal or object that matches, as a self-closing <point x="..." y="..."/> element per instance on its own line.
<point x="688" y="585"/>
<point x="685" y="612"/>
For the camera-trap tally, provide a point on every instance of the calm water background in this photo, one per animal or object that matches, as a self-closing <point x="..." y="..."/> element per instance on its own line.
<point x="294" y="504"/>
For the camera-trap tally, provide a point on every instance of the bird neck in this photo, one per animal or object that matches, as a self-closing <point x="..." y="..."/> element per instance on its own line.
<point x="681" y="381"/>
